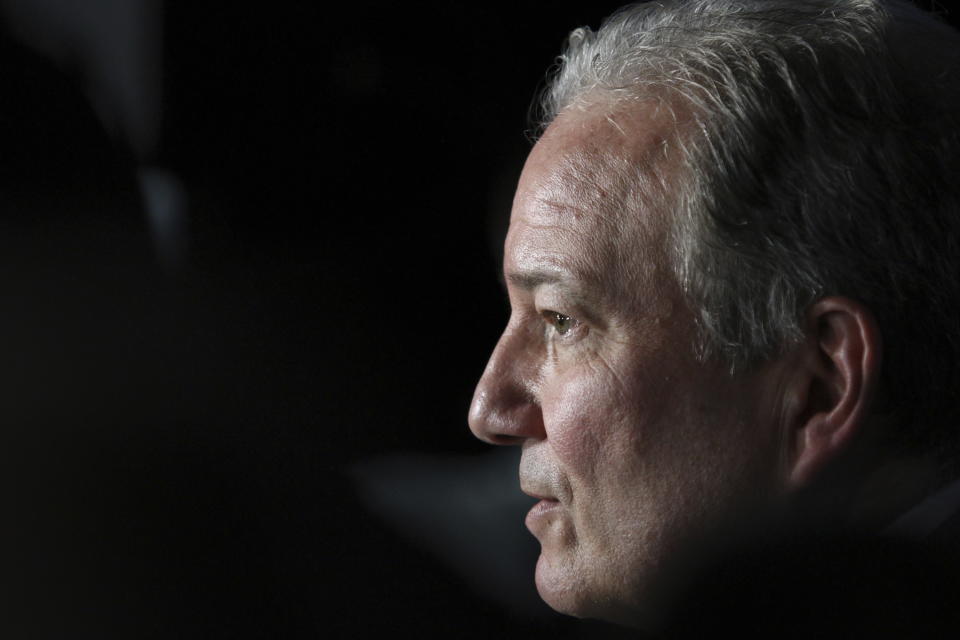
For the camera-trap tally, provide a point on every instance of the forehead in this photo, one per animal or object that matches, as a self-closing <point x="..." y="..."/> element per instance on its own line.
<point x="590" y="202"/>
<point x="594" y="156"/>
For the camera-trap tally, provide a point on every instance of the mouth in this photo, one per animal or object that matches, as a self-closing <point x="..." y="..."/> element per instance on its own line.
<point x="546" y="503"/>
<point x="540" y="513"/>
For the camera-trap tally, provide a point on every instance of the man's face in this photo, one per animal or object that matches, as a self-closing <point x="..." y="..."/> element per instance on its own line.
<point x="638" y="452"/>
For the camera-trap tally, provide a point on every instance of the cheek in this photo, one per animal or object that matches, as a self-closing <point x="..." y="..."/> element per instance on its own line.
<point x="598" y="415"/>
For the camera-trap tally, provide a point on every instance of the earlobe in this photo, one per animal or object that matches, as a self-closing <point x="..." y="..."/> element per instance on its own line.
<point x="833" y="393"/>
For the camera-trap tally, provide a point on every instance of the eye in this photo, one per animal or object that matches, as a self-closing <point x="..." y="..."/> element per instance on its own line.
<point x="561" y="324"/>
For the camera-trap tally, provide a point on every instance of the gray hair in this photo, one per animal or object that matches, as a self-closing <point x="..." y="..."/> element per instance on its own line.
<point x="823" y="159"/>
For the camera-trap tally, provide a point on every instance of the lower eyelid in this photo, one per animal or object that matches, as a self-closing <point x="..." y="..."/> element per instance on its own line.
<point x="549" y="318"/>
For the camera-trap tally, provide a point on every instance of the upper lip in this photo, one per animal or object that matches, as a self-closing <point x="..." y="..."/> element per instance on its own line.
<point x="538" y="478"/>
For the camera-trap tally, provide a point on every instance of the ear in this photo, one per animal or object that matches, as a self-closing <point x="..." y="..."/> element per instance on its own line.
<point x="830" y="397"/>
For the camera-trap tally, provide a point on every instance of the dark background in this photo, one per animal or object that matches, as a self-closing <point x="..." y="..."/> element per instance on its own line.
<point x="183" y="431"/>
<point x="185" y="423"/>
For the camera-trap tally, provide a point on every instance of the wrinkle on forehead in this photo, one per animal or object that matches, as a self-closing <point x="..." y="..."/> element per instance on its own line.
<point x="547" y="248"/>
<point x="598" y="178"/>
<point x="609" y="155"/>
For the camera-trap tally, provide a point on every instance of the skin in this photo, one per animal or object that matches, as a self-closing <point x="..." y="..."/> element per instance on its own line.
<point x="642" y="455"/>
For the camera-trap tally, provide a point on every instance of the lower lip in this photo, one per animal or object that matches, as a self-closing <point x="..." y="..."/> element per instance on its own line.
<point x="541" y="510"/>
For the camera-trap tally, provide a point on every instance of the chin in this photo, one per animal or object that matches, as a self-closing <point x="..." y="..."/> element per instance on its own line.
<point x="557" y="585"/>
<point x="571" y="589"/>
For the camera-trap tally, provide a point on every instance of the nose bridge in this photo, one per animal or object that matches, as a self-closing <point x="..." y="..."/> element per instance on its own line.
<point x="505" y="407"/>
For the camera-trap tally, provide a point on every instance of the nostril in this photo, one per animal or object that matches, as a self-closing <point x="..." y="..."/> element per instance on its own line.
<point x="504" y="410"/>
<point x="481" y="417"/>
<point x="502" y="416"/>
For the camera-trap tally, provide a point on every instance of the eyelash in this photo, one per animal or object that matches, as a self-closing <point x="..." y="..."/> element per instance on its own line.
<point x="553" y="320"/>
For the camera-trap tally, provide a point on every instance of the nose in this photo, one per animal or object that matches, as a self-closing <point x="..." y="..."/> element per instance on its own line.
<point x="505" y="409"/>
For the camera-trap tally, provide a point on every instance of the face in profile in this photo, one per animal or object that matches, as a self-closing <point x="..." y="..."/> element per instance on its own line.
<point x="638" y="453"/>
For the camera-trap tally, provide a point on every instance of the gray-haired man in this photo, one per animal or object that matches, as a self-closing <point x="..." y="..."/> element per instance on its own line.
<point x="731" y="267"/>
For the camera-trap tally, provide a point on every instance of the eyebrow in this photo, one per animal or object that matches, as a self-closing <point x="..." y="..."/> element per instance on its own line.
<point x="530" y="280"/>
